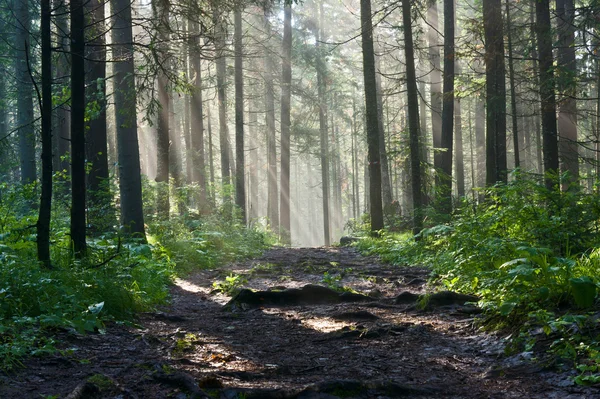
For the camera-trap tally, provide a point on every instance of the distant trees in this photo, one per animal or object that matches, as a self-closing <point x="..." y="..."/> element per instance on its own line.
<point x="167" y="86"/>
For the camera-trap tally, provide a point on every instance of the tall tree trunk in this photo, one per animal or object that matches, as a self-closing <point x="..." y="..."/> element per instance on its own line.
<point x="161" y="14"/>
<point x="386" y="182"/>
<point x="286" y="97"/>
<point x="536" y="85"/>
<point x="197" y="118"/>
<point x="448" y="110"/>
<point x="371" y="114"/>
<point x="220" y="36"/>
<point x="435" y="85"/>
<point x="240" y="184"/>
<point x="24" y="93"/>
<point x="547" y="94"/>
<point x="513" y="95"/>
<point x="125" y="97"/>
<point x="62" y="133"/>
<point x="253" y="152"/>
<point x="44" y="215"/>
<point x="567" y="112"/>
<point x="480" y="139"/>
<point x="97" y="139"/>
<point x="459" y="159"/>
<point x="272" y="199"/>
<point x="323" y="129"/>
<point x="355" y="168"/>
<point x="413" y="118"/>
<point x="211" y="160"/>
<point x="78" y="192"/>
<point x="495" y="93"/>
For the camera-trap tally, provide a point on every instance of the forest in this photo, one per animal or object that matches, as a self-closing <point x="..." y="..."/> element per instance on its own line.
<point x="279" y="199"/>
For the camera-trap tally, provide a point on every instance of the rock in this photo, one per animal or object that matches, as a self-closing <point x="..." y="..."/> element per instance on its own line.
<point x="416" y="281"/>
<point x="447" y="298"/>
<point x="355" y="315"/>
<point x="347" y="240"/>
<point x="405" y="298"/>
<point x="310" y="294"/>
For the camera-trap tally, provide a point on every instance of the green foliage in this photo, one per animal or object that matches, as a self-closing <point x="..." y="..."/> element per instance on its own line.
<point x="112" y="283"/>
<point x="528" y="253"/>
<point x="231" y="285"/>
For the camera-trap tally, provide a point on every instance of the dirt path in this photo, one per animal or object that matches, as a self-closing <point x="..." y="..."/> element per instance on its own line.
<point x="375" y="348"/>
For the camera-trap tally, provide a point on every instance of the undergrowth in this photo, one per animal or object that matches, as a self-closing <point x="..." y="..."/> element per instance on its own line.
<point x="531" y="255"/>
<point x="117" y="279"/>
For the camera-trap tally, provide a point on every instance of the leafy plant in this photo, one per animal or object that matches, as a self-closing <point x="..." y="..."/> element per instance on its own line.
<point x="231" y="285"/>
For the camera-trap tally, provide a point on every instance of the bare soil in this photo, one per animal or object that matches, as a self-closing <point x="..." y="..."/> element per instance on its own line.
<point x="380" y="347"/>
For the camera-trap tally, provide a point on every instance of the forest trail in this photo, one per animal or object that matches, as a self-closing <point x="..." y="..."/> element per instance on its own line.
<point x="377" y="347"/>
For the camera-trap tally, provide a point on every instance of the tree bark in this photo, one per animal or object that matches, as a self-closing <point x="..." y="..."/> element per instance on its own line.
<point x="435" y="86"/>
<point x="495" y="93"/>
<point x="97" y="139"/>
<point x="222" y="99"/>
<point x="286" y="96"/>
<point x="445" y="188"/>
<point x="413" y="119"/>
<point x="44" y="215"/>
<point x="513" y="95"/>
<point x="371" y="114"/>
<point x="547" y="93"/>
<point x="25" y="121"/>
<point x="272" y="199"/>
<point x="78" y="189"/>
<point x="240" y="185"/>
<point x="567" y="111"/>
<point x="125" y="97"/>
<point x="197" y="118"/>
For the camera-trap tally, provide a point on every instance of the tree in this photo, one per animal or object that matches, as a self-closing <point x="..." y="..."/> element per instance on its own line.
<point x="197" y="115"/>
<point x="495" y="93"/>
<point x="567" y="85"/>
<point x="272" y="199"/>
<point x="413" y="118"/>
<point x="286" y="94"/>
<point x="44" y="215"/>
<point x="513" y="96"/>
<point x="323" y="130"/>
<point x="78" y="191"/>
<point x="240" y="183"/>
<point x="435" y="84"/>
<point x="24" y="93"/>
<point x="96" y="135"/>
<point x="125" y="97"/>
<point x="445" y="180"/>
<point x="163" y="142"/>
<point x="371" y="113"/>
<point x="547" y="93"/>
<point x="220" y="35"/>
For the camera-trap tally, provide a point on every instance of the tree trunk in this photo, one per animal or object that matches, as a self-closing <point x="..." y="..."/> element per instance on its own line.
<point x="97" y="139"/>
<point x="62" y="134"/>
<point x="480" y="139"/>
<point x="44" y="215"/>
<point x="197" y="118"/>
<point x="286" y="97"/>
<point x="125" y="97"/>
<point x="567" y="112"/>
<point x="78" y="192"/>
<point x="445" y="180"/>
<point x="272" y="200"/>
<point x="513" y="96"/>
<point x="386" y="185"/>
<point x="161" y="14"/>
<point x="495" y="93"/>
<point x="547" y="94"/>
<point x="220" y="36"/>
<point x="240" y="184"/>
<point x="413" y="118"/>
<point x="253" y="152"/>
<point x="459" y="154"/>
<point x="371" y="114"/>
<point x="25" y="120"/>
<point x="435" y="86"/>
